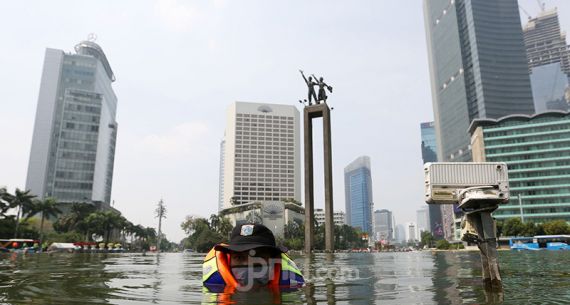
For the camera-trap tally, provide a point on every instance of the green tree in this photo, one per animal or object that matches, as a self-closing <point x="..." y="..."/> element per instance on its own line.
<point x="214" y="222"/>
<point x="427" y="239"/>
<point x="24" y="201"/>
<point x="75" y="220"/>
<point x="103" y="223"/>
<point x="442" y="244"/>
<point x="513" y="227"/>
<point x="556" y="227"/>
<point x="225" y="227"/>
<point x="47" y="208"/>
<point x="5" y="202"/>
<point x="201" y="236"/>
<point x="529" y="228"/>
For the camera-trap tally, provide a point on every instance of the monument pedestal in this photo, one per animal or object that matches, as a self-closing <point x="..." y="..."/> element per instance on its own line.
<point x="310" y="113"/>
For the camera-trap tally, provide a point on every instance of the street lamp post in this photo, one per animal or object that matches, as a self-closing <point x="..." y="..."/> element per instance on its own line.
<point x="520" y="207"/>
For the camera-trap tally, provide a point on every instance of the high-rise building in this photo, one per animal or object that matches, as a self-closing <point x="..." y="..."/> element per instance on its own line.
<point x="383" y="225"/>
<point x="358" y="194"/>
<point x="549" y="88"/>
<point x="537" y="152"/>
<point x="338" y="217"/>
<point x="73" y="146"/>
<point x="429" y="154"/>
<point x="478" y="67"/>
<point x="261" y="154"/>
<point x="422" y="216"/>
<point x="429" y="142"/>
<point x="544" y="41"/>
<point x="411" y="232"/>
<point x="221" y="176"/>
<point x="400" y="234"/>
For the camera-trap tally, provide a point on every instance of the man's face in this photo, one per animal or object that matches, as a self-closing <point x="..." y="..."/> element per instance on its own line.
<point x="252" y="268"/>
<point x="250" y="257"/>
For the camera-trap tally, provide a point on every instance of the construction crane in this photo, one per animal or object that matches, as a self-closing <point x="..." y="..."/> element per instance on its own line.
<point x="525" y="12"/>
<point x="541" y="5"/>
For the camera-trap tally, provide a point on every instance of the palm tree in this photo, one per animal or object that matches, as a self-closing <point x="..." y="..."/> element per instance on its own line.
<point x="225" y="227"/>
<point x="5" y="200"/>
<point x="102" y="223"/>
<point x="215" y="222"/>
<point x="48" y="208"/>
<point x="22" y="200"/>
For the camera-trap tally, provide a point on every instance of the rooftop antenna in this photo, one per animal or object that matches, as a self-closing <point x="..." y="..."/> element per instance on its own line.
<point x="92" y="37"/>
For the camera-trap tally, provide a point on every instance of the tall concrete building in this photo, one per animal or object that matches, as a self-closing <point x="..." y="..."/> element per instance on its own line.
<point x="400" y="233"/>
<point x="429" y="154"/>
<point x="339" y="217"/>
<point x="73" y="146"/>
<point x="422" y="220"/>
<point x="358" y="194"/>
<point x="411" y="230"/>
<point x="261" y="154"/>
<point x="383" y="225"/>
<point x="221" y="176"/>
<point x="549" y="61"/>
<point x="545" y="42"/>
<point x="478" y="67"/>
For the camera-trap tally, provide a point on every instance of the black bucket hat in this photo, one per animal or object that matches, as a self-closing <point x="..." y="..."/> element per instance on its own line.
<point x="250" y="236"/>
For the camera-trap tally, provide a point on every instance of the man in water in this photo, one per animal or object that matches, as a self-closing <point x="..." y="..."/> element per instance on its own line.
<point x="251" y="259"/>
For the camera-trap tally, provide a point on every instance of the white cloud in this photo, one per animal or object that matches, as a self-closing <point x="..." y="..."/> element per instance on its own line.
<point x="182" y="140"/>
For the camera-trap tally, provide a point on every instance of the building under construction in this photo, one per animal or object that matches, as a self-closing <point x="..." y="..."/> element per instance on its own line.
<point x="545" y="42"/>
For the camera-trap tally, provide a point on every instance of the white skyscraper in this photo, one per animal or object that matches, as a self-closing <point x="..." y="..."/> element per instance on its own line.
<point x="261" y="154"/>
<point x="222" y="169"/>
<point x="73" y="146"/>
<point x="411" y="232"/>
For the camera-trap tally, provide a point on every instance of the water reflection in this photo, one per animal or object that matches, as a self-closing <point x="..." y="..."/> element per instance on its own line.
<point x="340" y="278"/>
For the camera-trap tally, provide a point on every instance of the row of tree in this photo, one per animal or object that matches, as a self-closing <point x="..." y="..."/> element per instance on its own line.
<point x="81" y="222"/>
<point x="27" y="206"/>
<point x="204" y="233"/>
<point x="511" y="227"/>
<point x="345" y="237"/>
<point x="515" y="227"/>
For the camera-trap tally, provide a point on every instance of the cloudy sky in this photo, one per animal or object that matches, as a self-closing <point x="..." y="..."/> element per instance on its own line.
<point x="179" y="64"/>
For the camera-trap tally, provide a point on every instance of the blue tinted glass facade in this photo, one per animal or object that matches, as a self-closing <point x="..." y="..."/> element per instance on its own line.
<point x="429" y="154"/>
<point x="429" y="142"/>
<point x="478" y="67"/>
<point x="358" y="194"/>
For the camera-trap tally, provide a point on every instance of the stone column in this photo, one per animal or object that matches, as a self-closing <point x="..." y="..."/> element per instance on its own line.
<point x="311" y="112"/>
<point x="309" y="183"/>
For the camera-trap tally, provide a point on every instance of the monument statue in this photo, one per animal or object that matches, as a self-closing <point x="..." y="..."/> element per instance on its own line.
<point x="311" y="84"/>
<point x="310" y="112"/>
<point x="322" y="93"/>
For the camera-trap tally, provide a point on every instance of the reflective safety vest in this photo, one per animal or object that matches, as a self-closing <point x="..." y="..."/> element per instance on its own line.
<point x="216" y="272"/>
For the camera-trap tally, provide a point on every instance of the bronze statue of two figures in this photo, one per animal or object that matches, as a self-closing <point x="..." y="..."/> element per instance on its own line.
<point x="311" y="83"/>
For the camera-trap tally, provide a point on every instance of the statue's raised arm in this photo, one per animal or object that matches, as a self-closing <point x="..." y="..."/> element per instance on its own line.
<point x="311" y="95"/>
<point x="306" y="81"/>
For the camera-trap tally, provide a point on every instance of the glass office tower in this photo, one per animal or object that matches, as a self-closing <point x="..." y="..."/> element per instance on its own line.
<point x="383" y="225"/>
<point x="429" y="154"/>
<point x="73" y="146"/>
<point x="478" y="67"/>
<point x="358" y="194"/>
